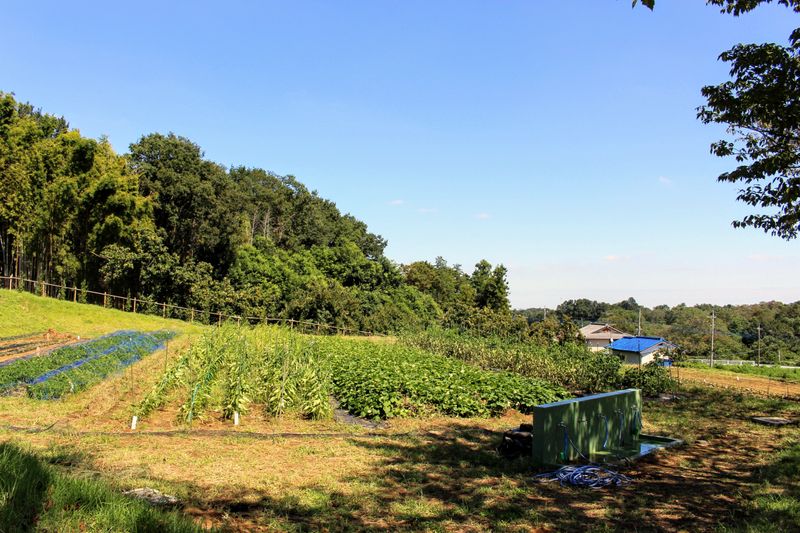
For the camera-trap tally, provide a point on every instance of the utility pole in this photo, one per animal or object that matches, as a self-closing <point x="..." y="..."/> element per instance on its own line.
<point x="639" y="332"/>
<point x="759" y="344"/>
<point x="713" y="318"/>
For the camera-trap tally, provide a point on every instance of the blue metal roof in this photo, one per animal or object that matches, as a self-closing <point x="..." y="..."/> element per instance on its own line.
<point x="637" y="344"/>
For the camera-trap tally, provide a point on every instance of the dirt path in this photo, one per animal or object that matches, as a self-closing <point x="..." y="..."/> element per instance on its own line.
<point x="730" y="380"/>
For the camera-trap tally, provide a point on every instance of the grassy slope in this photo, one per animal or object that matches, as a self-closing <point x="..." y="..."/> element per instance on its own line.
<point x="22" y="313"/>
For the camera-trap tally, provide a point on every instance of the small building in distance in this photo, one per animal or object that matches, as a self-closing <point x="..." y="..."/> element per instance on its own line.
<point x="641" y="350"/>
<point x="598" y="336"/>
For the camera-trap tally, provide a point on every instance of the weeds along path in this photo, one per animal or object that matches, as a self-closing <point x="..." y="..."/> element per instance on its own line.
<point x="109" y="404"/>
<point x="744" y="382"/>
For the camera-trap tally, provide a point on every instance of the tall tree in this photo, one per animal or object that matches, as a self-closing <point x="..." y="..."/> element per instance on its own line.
<point x="188" y="193"/>
<point x="491" y="287"/>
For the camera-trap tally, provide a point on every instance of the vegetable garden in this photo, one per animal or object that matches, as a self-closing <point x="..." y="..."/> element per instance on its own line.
<point x="230" y="370"/>
<point x="78" y="366"/>
<point x="571" y="365"/>
<point x="30" y="345"/>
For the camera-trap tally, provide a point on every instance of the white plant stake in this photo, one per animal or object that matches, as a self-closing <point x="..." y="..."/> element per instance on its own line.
<point x="236" y="418"/>
<point x="133" y="422"/>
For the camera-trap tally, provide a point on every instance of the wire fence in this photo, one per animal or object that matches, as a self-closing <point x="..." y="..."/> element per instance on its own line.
<point x="740" y="362"/>
<point x="134" y="304"/>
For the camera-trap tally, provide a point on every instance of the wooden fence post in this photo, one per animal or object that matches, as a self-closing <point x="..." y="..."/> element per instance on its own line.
<point x="44" y="288"/>
<point x="74" y="293"/>
<point x="164" y="310"/>
<point x="134" y="304"/>
<point x="192" y="318"/>
<point x="105" y="299"/>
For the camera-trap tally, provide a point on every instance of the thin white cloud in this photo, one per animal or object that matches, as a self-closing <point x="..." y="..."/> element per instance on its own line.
<point x="483" y="216"/>
<point x="397" y="202"/>
<point x="612" y="258"/>
<point x="665" y="181"/>
<point x="764" y="258"/>
<point x="426" y="210"/>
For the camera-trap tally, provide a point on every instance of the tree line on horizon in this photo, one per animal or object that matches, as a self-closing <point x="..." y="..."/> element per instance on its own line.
<point x="164" y="223"/>
<point x="736" y="327"/>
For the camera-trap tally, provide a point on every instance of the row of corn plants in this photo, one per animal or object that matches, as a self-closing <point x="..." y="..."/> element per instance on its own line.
<point x="231" y="368"/>
<point x="72" y="367"/>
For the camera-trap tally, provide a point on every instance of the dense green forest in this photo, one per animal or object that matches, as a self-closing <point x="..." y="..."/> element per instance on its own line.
<point x="164" y="223"/>
<point x="736" y="326"/>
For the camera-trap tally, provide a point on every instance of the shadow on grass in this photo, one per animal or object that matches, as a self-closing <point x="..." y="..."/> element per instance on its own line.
<point x="452" y="479"/>
<point x="35" y="495"/>
<point x="23" y="487"/>
<point x="776" y="503"/>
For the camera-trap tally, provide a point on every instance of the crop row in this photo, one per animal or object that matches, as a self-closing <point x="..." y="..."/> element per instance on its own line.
<point x="230" y="368"/>
<point x="77" y="366"/>
<point x="384" y="380"/>
<point x="572" y="365"/>
<point x="86" y="372"/>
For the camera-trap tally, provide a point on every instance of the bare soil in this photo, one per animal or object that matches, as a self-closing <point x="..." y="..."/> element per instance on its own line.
<point x="35" y="344"/>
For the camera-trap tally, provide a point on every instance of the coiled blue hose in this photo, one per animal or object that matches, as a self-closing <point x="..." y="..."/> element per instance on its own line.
<point x="591" y="476"/>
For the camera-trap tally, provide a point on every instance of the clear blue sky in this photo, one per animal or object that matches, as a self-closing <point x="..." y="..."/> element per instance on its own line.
<point x="558" y="137"/>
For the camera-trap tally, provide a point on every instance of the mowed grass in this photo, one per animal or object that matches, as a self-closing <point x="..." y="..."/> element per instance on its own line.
<point x="35" y="493"/>
<point x="22" y="313"/>
<point x="785" y="374"/>
<point x="442" y="474"/>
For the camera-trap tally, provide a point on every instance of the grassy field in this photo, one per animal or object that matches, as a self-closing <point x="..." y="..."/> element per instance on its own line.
<point x="785" y="374"/>
<point x="753" y="384"/>
<point x="436" y="473"/>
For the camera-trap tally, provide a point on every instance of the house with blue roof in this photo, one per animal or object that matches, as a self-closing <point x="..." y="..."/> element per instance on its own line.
<point x="640" y="350"/>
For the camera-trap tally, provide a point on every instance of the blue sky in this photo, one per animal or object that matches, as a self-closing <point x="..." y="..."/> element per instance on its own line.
<point x="558" y="138"/>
